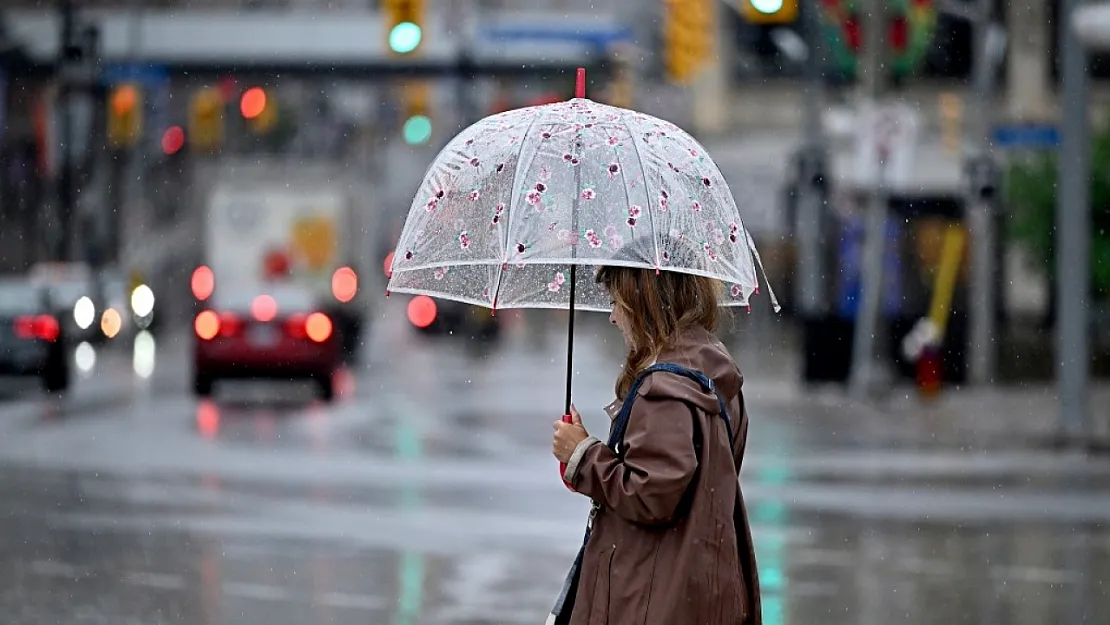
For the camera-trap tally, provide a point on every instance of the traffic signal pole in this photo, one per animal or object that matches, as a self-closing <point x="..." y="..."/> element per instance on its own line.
<point x="1073" y="230"/>
<point x="865" y="367"/>
<point x="980" y="206"/>
<point x="61" y="242"/>
<point x="810" y="213"/>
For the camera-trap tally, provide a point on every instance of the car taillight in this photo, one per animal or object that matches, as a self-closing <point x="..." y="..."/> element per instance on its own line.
<point x="207" y="325"/>
<point x="230" y="324"/>
<point x="318" y="327"/>
<point x="295" y="326"/>
<point x="42" y="327"/>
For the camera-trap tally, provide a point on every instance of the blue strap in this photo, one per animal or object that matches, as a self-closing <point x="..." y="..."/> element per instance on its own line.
<point x="621" y="422"/>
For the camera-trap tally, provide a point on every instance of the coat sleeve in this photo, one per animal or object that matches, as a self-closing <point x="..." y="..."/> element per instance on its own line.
<point x="647" y="485"/>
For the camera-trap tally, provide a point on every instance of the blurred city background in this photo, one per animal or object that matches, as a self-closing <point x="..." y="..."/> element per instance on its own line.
<point x="193" y="191"/>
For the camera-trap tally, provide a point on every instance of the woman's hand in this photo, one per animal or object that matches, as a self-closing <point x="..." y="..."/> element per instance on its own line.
<point x="568" y="436"/>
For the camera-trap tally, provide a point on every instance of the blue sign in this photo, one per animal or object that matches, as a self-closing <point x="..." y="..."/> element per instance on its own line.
<point x="1026" y="136"/>
<point x="142" y="73"/>
<point x="600" y="36"/>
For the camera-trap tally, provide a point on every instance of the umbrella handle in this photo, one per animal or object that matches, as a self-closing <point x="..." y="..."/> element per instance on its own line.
<point x="562" y="465"/>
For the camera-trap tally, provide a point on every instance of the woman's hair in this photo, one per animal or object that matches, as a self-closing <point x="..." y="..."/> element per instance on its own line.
<point x="658" y="307"/>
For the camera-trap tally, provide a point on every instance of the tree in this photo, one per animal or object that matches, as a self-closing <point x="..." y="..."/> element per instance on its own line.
<point x="1031" y="194"/>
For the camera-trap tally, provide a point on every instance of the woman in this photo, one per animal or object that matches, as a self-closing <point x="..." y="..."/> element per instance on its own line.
<point x="670" y="543"/>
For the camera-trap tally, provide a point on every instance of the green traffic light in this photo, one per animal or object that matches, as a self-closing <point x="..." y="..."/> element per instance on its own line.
<point x="767" y="6"/>
<point x="417" y="130"/>
<point x="405" y="37"/>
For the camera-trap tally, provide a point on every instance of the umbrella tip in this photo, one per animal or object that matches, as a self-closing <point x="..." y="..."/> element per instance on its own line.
<point x="387" y="292"/>
<point x="580" y="83"/>
<point x="657" y="271"/>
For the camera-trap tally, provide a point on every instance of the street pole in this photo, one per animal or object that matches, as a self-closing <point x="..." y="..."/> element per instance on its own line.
<point x="1073" y="224"/>
<point x="63" y="240"/>
<point x="811" y="198"/>
<point x="864" y="365"/>
<point x="980" y="207"/>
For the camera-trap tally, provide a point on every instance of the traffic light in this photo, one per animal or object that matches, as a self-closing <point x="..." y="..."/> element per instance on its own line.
<point x="769" y="11"/>
<point x="404" y="28"/>
<point x="206" y="119"/>
<point x="125" y="116"/>
<point x="416" y="104"/>
<point x="688" y="37"/>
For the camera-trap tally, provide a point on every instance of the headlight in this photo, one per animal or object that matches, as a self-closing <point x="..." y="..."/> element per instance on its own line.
<point x="84" y="312"/>
<point x="142" y="301"/>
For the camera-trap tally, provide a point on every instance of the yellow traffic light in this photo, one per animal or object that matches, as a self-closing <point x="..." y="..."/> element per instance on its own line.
<point x="769" y="11"/>
<point x="688" y="37"/>
<point x="416" y="107"/>
<point x="206" y="119"/>
<point x="125" y="116"/>
<point x="404" y="24"/>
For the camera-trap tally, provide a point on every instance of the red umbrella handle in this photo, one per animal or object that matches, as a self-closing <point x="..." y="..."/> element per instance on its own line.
<point x="562" y="465"/>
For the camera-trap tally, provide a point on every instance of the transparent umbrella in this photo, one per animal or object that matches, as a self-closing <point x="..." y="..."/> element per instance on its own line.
<point x="514" y="204"/>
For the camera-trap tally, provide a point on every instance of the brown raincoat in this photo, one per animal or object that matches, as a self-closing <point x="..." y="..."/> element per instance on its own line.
<point x="658" y="556"/>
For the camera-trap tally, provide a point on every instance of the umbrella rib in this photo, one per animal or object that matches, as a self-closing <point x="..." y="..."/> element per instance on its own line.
<point x="643" y="172"/>
<point x="514" y="196"/>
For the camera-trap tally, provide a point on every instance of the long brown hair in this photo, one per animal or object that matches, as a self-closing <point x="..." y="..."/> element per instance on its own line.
<point x="658" y="307"/>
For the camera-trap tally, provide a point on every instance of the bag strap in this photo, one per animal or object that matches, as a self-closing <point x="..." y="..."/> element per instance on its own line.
<point x="620" y="424"/>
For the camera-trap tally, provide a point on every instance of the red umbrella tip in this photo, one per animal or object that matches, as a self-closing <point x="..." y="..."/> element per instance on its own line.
<point x="387" y="292"/>
<point x="580" y="83"/>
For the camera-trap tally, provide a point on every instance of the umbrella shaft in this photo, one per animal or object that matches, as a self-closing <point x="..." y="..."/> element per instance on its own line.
<point x="570" y="337"/>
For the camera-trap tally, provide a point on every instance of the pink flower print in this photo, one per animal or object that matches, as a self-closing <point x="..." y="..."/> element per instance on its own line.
<point x="588" y="194"/>
<point x="553" y="286"/>
<point x="440" y="272"/>
<point x="567" y="157"/>
<point x="616" y="241"/>
<point x="709" y="252"/>
<point x="693" y="152"/>
<point x="500" y="167"/>
<point x="408" y="254"/>
<point x="610" y="231"/>
<point x="464" y="240"/>
<point x="733" y="232"/>
<point x="732" y="227"/>
<point x="614" y="169"/>
<point x="664" y="205"/>
<point x="469" y="142"/>
<point x="705" y="181"/>
<point x="614" y="141"/>
<point x="500" y="208"/>
<point x="474" y="195"/>
<point x="593" y="239"/>
<point x="666" y="256"/>
<point x="634" y="211"/>
<point x="532" y="197"/>
<point x="559" y="278"/>
<point x="545" y="136"/>
<point x="439" y="194"/>
<point x="545" y="174"/>
<point x="574" y="162"/>
<point x="520" y="247"/>
<point x="663" y="194"/>
<point x="672" y="167"/>
<point x="695" y="206"/>
<point x="541" y="187"/>
<point x="431" y="205"/>
<point x="736" y="292"/>
<point x="631" y="222"/>
<point x="474" y="162"/>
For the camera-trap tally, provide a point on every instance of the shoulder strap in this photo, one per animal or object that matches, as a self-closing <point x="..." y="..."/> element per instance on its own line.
<point x="620" y="424"/>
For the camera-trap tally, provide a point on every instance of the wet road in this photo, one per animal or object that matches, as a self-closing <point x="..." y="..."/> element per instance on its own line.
<point x="427" y="494"/>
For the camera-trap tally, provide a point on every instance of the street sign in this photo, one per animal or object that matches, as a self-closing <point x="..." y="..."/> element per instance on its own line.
<point x="1026" y="136"/>
<point x="886" y="142"/>
<point x="141" y="73"/>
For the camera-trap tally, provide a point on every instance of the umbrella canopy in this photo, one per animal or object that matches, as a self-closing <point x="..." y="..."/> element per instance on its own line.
<point x="512" y="202"/>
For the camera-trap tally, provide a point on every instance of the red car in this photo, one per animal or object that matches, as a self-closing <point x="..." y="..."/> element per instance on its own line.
<point x="276" y="332"/>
